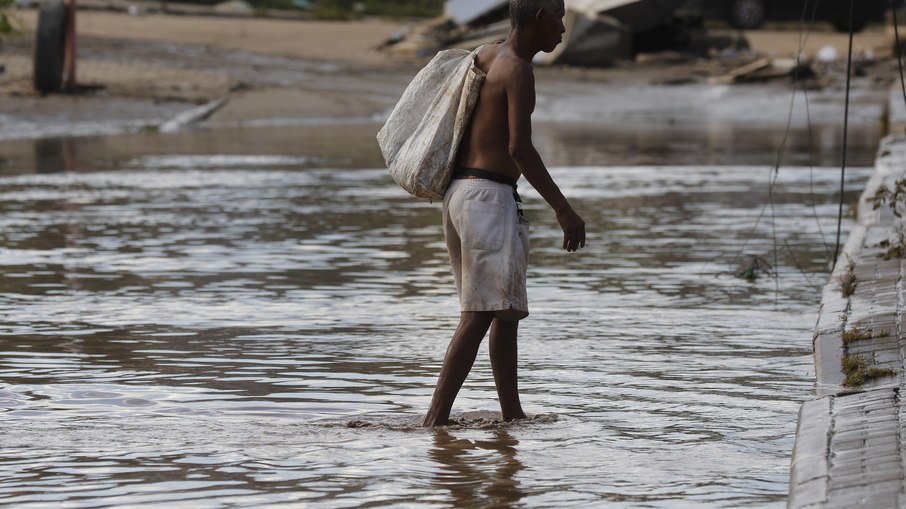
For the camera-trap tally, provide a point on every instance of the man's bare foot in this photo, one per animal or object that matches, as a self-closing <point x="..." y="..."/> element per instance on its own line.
<point x="515" y="416"/>
<point x="431" y="422"/>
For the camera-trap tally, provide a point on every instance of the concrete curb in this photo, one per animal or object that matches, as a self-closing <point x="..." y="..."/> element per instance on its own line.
<point x="809" y="470"/>
<point x="847" y="452"/>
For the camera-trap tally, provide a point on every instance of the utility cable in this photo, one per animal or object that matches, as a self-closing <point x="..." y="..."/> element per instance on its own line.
<point x="898" y="49"/>
<point x="808" y="121"/>
<point x="804" y="33"/>
<point x="811" y="175"/>
<point x="849" y="68"/>
<point x="899" y="55"/>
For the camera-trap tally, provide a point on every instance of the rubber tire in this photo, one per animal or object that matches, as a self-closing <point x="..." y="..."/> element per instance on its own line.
<point x="50" y="41"/>
<point x="747" y="14"/>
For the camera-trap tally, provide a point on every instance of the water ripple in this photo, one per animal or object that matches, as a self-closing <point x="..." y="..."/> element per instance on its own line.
<point x="250" y="331"/>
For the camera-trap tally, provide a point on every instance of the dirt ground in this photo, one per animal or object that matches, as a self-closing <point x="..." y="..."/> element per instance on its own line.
<point x="312" y="71"/>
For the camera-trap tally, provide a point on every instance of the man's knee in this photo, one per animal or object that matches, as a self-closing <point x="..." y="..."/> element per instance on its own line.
<point x="505" y="325"/>
<point x="476" y="318"/>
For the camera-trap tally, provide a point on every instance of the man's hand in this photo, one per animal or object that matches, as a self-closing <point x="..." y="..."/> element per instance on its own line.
<point x="573" y="229"/>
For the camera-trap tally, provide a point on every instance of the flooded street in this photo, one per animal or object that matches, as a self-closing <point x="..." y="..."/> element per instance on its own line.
<point x="255" y="318"/>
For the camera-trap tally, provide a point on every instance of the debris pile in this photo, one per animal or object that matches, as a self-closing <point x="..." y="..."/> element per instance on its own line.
<point x="607" y="33"/>
<point x="599" y="33"/>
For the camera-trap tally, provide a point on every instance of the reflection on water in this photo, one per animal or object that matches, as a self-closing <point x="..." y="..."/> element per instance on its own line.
<point x="481" y="472"/>
<point x="354" y="146"/>
<point x="198" y="331"/>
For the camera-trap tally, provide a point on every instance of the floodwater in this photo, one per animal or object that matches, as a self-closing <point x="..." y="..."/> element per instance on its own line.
<point x="256" y="319"/>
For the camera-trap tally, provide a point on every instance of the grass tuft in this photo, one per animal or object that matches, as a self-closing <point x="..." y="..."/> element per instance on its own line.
<point x="857" y="334"/>
<point x="847" y="280"/>
<point x="857" y="372"/>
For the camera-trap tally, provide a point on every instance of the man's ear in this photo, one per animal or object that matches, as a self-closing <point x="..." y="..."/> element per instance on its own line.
<point x="539" y="14"/>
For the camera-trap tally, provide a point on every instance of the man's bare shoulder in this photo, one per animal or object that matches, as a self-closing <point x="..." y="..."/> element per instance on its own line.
<point x="503" y="65"/>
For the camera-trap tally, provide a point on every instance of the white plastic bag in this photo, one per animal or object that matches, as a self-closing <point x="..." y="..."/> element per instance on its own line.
<point x="420" y="139"/>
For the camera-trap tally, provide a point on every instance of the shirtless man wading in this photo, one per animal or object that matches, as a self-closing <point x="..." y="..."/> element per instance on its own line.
<point x="487" y="237"/>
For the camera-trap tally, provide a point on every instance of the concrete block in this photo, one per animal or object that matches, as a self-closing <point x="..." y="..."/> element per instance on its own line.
<point x="870" y="414"/>
<point x="888" y="355"/>
<point x="882" y="500"/>
<point x="807" y="495"/>
<point x="828" y="352"/>
<point x="863" y="400"/>
<point x="868" y="435"/>
<point x="810" y="452"/>
<point x="829" y="317"/>
<point x="857" y="476"/>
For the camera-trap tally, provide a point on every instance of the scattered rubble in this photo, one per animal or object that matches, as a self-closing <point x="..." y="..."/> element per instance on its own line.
<point x="608" y="33"/>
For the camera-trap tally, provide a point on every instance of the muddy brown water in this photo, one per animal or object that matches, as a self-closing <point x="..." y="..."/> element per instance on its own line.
<point x="254" y="318"/>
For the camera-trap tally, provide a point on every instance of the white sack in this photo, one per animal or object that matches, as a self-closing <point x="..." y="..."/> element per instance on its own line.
<point x="420" y="139"/>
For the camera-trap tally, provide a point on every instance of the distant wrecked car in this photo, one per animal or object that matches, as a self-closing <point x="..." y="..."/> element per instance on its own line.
<point x="753" y="13"/>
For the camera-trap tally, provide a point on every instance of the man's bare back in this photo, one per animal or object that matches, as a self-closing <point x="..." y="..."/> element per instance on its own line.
<point x="486" y="140"/>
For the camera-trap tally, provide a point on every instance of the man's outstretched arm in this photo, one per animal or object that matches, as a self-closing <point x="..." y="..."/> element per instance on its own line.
<point x="520" y="90"/>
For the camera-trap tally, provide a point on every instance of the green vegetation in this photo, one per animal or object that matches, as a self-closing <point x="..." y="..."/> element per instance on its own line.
<point x="895" y="200"/>
<point x="857" y="334"/>
<point x="753" y="268"/>
<point x="847" y="280"/>
<point x="335" y="10"/>
<point x="857" y="372"/>
<point x="8" y="24"/>
<point x="895" y="247"/>
<point x="892" y="199"/>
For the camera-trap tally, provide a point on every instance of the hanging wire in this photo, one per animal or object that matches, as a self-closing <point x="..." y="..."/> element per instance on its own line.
<point x="899" y="50"/>
<point x="789" y="249"/>
<point x="899" y="54"/>
<point x="805" y="30"/>
<point x="849" y="67"/>
<point x="811" y="175"/>
<point x="810" y="133"/>
<point x="803" y="40"/>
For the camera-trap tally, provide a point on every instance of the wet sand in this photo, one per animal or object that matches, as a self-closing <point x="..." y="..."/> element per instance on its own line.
<point x="315" y="72"/>
<point x="265" y="67"/>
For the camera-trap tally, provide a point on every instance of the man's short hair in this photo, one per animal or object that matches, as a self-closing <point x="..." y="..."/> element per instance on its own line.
<point x="521" y="11"/>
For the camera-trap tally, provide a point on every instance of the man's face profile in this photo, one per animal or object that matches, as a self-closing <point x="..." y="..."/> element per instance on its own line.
<point x="550" y="24"/>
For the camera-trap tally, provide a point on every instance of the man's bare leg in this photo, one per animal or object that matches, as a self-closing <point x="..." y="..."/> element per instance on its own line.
<point x="458" y="361"/>
<point x="503" y="362"/>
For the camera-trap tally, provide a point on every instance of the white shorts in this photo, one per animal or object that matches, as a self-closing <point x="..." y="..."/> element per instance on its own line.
<point x="488" y="243"/>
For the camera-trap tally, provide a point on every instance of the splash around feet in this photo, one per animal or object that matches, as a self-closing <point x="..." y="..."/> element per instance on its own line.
<point x="474" y="419"/>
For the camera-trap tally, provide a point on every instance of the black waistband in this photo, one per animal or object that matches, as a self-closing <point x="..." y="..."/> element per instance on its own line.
<point x="462" y="171"/>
